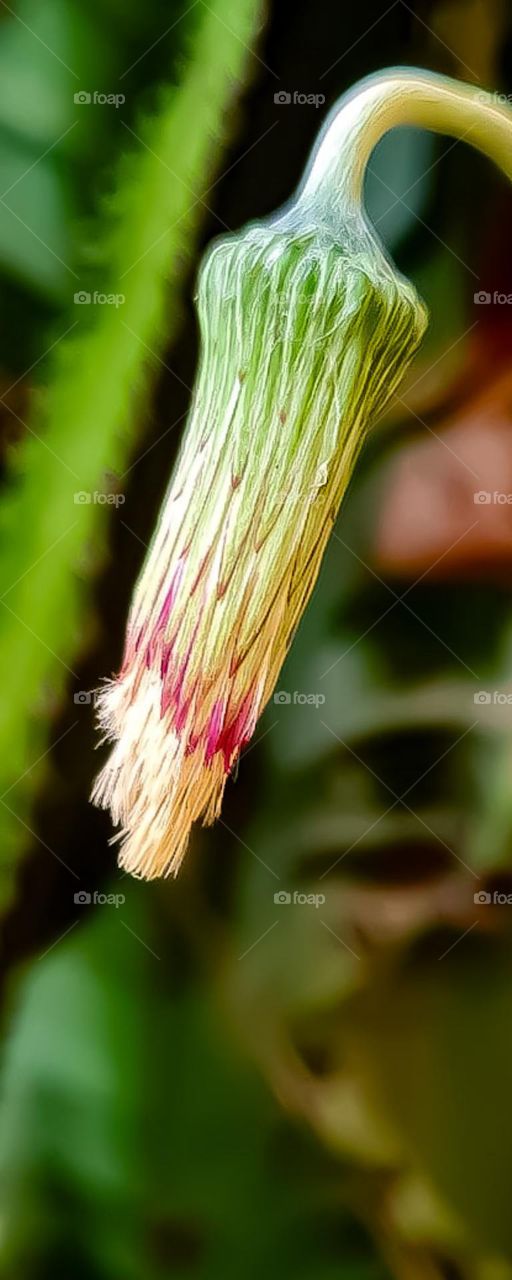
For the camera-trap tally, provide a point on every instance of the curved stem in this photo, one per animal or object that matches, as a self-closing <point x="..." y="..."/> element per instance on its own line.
<point x="400" y="97"/>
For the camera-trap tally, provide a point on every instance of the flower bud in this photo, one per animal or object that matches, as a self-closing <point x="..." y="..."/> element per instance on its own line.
<point x="307" y="329"/>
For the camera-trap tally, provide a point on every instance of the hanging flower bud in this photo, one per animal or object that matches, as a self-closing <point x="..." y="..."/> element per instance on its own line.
<point x="307" y="329"/>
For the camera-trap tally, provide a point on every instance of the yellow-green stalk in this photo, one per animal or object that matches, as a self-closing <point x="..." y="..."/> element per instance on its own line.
<point x="307" y="329"/>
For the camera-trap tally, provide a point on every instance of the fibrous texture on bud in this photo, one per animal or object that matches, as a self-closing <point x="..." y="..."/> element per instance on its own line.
<point x="306" y="331"/>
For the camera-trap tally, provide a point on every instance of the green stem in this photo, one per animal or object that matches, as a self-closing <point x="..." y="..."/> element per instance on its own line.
<point x="400" y="97"/>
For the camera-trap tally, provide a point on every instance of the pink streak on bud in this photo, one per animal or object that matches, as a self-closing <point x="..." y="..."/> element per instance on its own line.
<point x="215" y="729"/>
<point x="172" y="692"/>
<point x="171" y="594"/>
<point x="164" y="661"/>
<point x="182" y="715"/>
<point x="236" y="734"/>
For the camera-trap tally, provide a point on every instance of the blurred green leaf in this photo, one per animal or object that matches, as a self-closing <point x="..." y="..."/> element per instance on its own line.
<point x="95" y="390"/>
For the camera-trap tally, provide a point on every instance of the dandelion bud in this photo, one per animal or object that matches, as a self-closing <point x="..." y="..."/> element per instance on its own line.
<point x="307" y="329"/>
